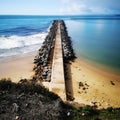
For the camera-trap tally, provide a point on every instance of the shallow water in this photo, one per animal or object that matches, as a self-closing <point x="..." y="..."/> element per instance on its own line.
<point x="97" y="41"/>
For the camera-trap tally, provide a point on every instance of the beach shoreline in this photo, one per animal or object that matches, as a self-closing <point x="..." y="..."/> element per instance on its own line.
<point x="98" y="86"/>
<point x="102" y="69"/>
<point x="93" y="85"/>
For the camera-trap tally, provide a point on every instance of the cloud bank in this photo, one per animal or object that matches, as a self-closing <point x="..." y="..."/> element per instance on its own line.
<point x="90" y="7"/>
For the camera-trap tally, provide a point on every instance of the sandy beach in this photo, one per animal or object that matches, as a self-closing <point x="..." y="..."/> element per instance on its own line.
<point x="89" y="83"/>
<point x="17" y="68"/>
<point x="94" y="85"/>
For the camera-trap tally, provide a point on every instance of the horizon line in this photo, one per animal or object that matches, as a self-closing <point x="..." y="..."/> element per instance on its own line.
<point x="60" y="15"/>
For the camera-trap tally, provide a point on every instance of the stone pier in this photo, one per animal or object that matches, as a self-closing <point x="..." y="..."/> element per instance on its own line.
<point x="57" y="84"/>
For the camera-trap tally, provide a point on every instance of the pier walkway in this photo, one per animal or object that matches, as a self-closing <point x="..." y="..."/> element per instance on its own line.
<point x="57" y="84"/>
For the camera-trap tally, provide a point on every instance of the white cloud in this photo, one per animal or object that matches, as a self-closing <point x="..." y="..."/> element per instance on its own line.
<point x="74" y="8"/>
<point x="78" y="7"/>
<point x="99" y="10"/>
<point x="67" y="1"/>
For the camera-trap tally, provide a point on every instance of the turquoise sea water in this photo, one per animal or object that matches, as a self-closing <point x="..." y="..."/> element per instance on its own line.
<point x="94" y="38"/>
<point x="97" y="41"/>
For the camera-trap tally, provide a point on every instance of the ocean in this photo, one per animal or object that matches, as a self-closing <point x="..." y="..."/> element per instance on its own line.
<point x="94" y="38"/>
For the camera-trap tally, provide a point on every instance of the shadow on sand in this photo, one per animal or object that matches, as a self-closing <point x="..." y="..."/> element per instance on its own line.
<point x="68" y="82"/>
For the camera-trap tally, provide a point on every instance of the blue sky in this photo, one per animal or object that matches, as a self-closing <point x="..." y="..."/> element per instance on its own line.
<point x="59" y="7"/>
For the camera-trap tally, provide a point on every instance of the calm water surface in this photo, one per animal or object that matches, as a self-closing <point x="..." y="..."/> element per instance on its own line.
<point x="97" y="41"/>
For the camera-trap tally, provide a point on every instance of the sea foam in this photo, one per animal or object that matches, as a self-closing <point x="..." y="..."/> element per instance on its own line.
<point x="8" y="42"/>
<point x="17" y="45"/>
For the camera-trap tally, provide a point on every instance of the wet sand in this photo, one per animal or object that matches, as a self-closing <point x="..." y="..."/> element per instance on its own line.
<point x="91" y="84"/>
<point x="17" y="68"/>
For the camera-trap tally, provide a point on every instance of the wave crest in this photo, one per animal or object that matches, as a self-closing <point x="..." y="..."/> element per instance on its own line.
<point x="19" y="45"/>
<point x="8" y="42"/>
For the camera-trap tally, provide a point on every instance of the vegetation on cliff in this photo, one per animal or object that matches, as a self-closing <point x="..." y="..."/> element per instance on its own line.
<point x="30" y="101"/>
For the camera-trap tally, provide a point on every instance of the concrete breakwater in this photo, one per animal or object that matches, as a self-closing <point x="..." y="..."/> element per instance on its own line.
<point x="57" y="84"/>
<point x="69" y="55"/>
<point x="44" y="58"/>
<point x="50" y="62"/>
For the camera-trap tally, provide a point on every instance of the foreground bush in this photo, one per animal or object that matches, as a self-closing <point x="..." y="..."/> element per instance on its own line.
<point x="27" y="101"/>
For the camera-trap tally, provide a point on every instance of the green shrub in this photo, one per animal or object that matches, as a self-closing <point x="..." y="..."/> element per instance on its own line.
<point x="6" y="84"/>
<point x="26" y="87"/>
<point x="87" y="110"/>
